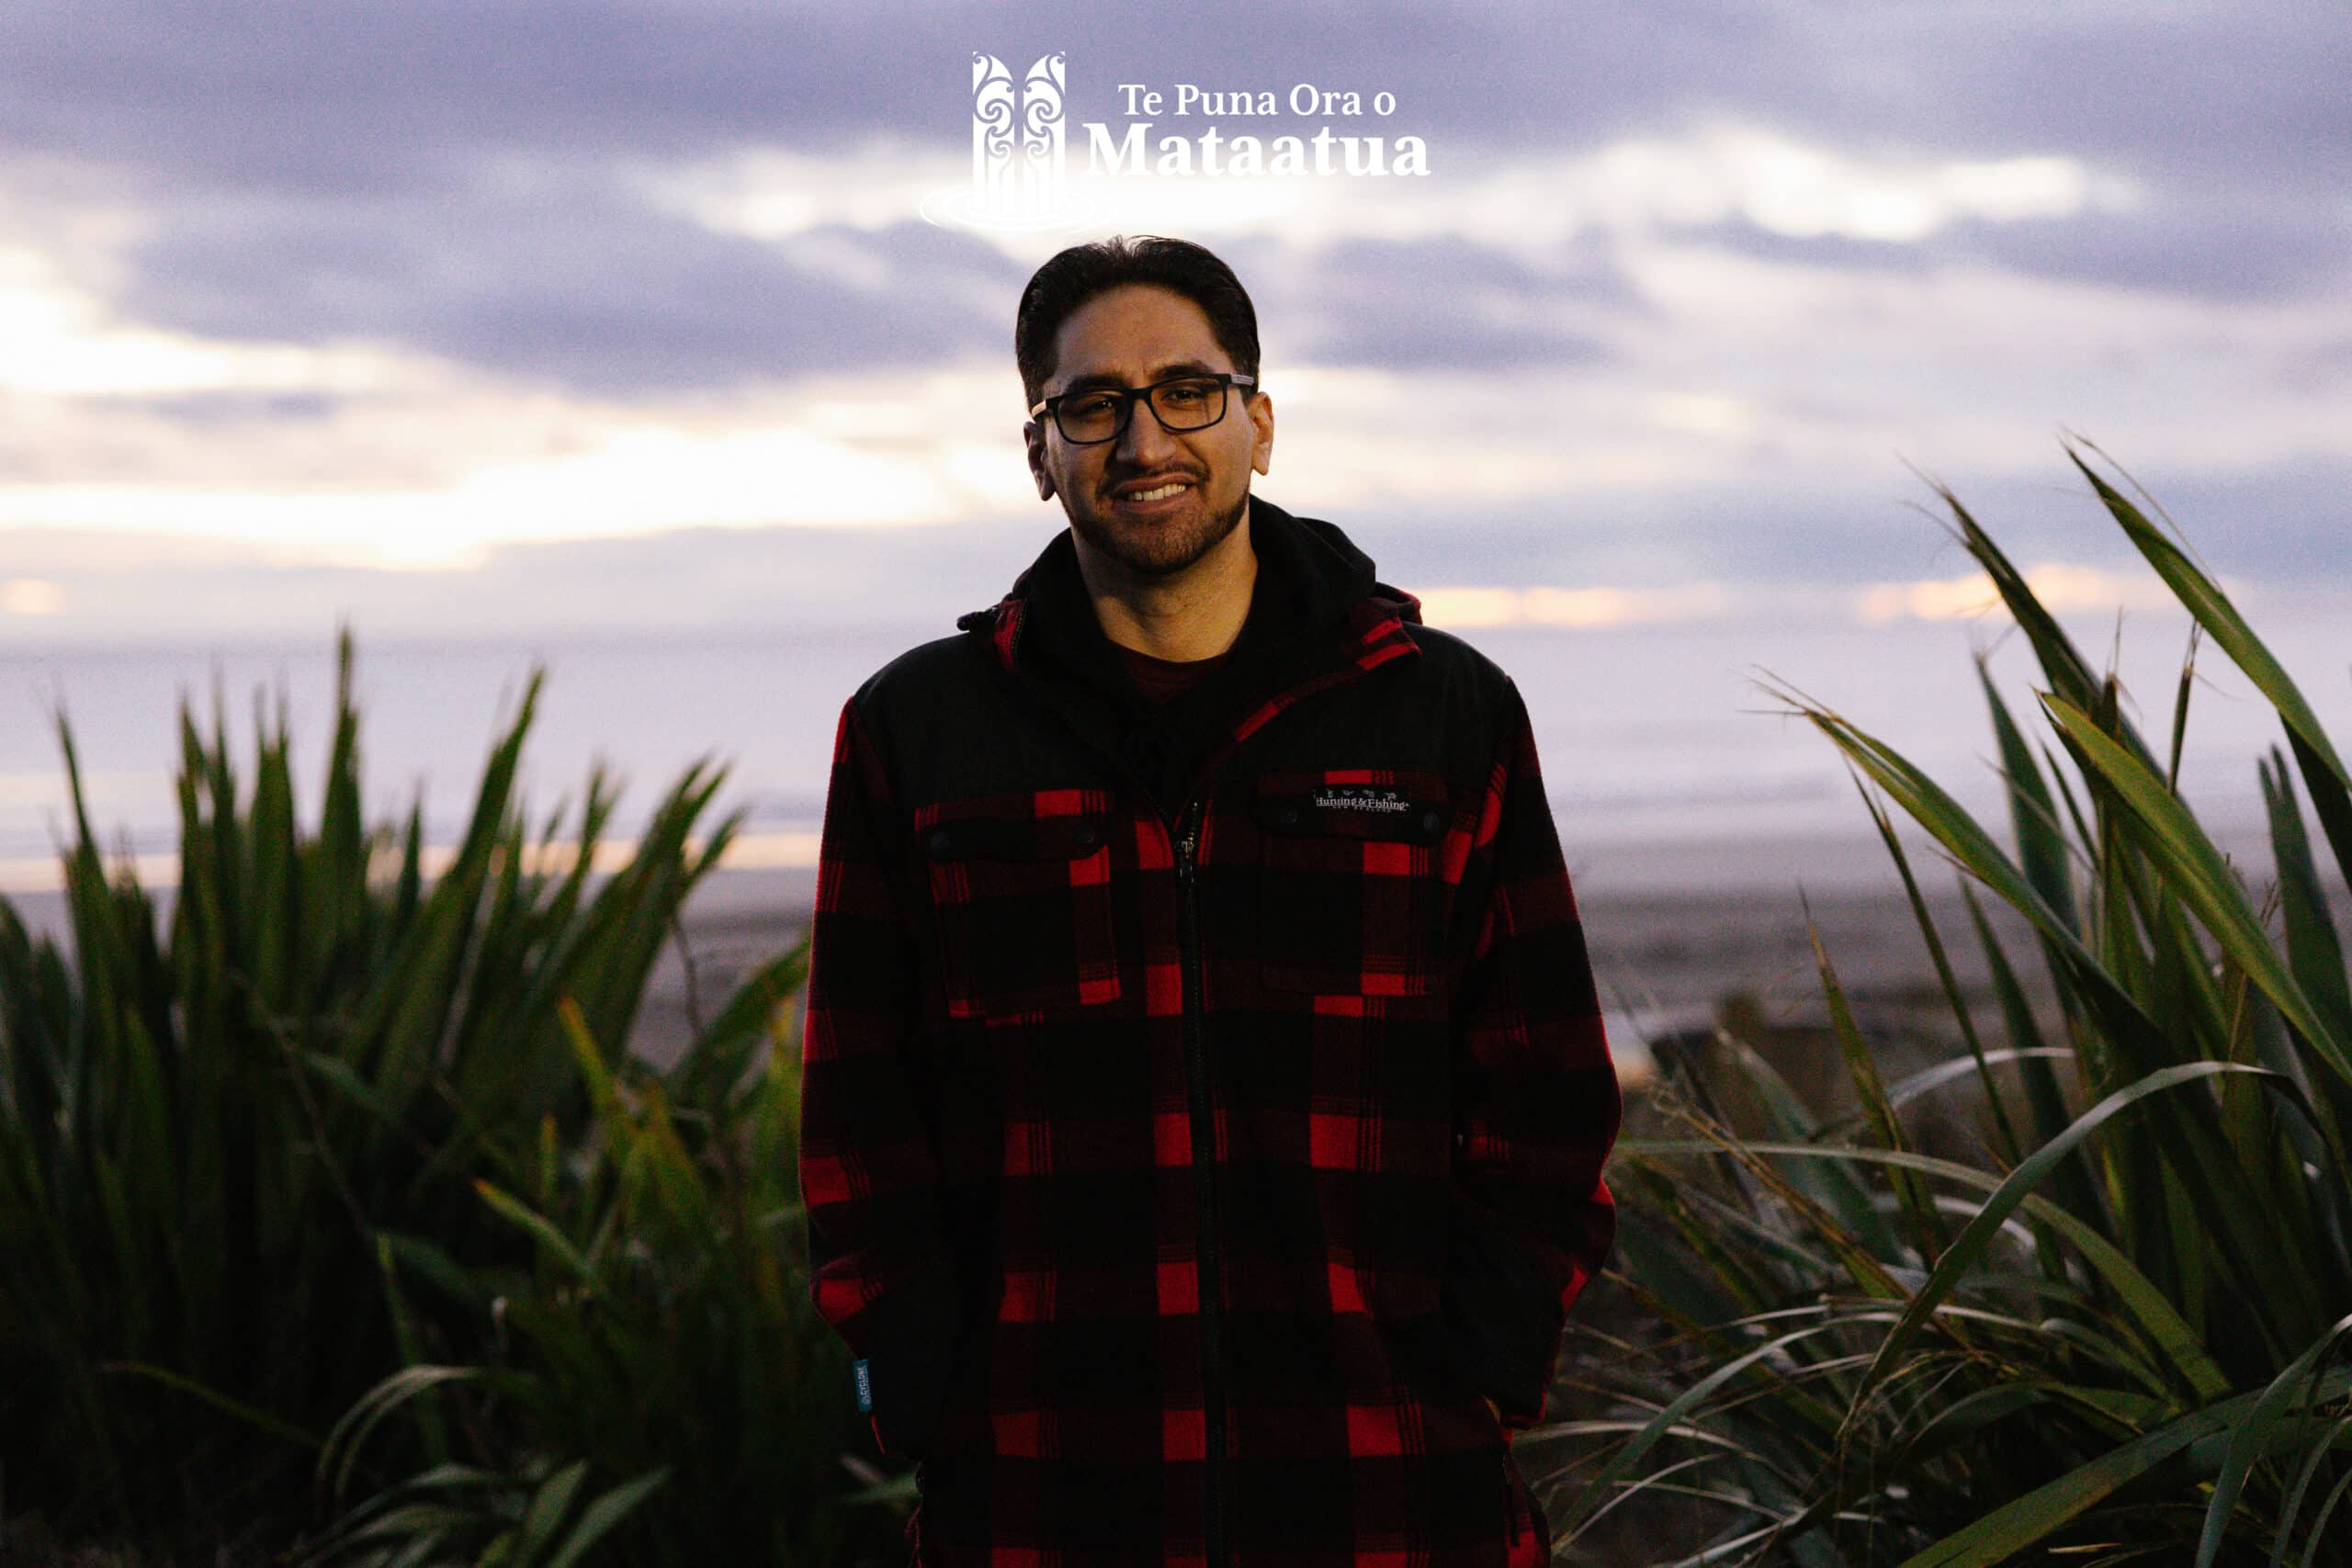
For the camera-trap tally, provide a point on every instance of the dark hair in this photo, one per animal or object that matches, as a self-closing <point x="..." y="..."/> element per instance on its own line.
<point x="1077" y="274"/>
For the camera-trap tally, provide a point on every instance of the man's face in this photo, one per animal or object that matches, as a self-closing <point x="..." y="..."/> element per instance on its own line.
<point x="1133" y="337"/>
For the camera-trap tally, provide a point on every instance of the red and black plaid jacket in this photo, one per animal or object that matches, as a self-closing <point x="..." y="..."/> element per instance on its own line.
<point x="1202" y="1109"/>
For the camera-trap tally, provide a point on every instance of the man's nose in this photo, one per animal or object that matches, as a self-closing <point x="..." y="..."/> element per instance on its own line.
<point x="1145" y="441"/>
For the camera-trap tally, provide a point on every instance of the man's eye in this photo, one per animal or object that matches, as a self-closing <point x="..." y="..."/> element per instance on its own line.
<point x="1088" y="408"/>
<point x="1185" y="394"/>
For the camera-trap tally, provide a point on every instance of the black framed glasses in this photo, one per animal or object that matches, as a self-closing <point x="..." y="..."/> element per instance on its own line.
<point x="1096" y="414"/>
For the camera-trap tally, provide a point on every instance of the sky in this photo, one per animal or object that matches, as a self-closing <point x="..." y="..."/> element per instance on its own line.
<point x="466" y="321"/>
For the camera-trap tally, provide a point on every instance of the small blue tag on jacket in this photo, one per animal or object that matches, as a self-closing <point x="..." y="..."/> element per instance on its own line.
<point x="864" y="1388"/>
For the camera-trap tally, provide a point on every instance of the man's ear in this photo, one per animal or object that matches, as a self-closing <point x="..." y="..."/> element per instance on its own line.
<point x="1033" y="436"/>
<point x="1261" y="420"/>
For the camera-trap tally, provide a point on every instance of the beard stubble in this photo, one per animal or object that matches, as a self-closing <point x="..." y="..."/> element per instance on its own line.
<point x="1160" y="551"/>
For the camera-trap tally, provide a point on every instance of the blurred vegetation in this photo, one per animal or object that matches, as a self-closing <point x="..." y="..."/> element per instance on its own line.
<point x="2113" y="1328"/>
<point x="659" y="1341"/>
<point x="331" y="1124"/>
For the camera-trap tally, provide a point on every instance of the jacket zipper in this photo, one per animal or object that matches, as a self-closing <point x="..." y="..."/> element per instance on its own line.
<point x="1204" y="1129"/>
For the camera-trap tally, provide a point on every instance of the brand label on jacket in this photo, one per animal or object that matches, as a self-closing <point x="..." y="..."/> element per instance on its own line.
<point x="1361" y="798"/>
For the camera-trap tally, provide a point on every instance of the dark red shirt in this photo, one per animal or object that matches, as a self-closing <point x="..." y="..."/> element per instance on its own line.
<point x="1162" y="679"/>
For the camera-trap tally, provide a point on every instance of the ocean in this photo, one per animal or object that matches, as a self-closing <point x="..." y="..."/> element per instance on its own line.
<point x="1664" y="763"/>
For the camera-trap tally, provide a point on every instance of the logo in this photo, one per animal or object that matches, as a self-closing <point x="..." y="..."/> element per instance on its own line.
<point x="1020" y="175"/>
<point x="1361" y="798"/>
<point x="1020" y="164"/>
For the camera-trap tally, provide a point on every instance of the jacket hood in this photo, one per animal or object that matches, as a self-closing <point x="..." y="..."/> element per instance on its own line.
<point x="1314" y="588"/>
<point x="1318" y="614"/>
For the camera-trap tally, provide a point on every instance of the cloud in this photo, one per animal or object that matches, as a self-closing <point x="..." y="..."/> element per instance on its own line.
<point x="2202" y="93"/>
<point x="1844" y="252"/>
<point x="1686" y="279"/>
<point x="352" y="98"/>
<point x="510" y="185"/>
<point x="2230" y="246"/>
<point x="381" y="99"/>
<point x="1442" y="302"/>
<point x="2061" y="586"/>
<point x="1544" y="605"/>
<point x="2279" y="523"/>
<point x="556" y="275"/>
<point x="214" y="411"/>
<point x="121" y="587"/>
<point x="2225" y="247"/>
<point x="1725" y="553"/>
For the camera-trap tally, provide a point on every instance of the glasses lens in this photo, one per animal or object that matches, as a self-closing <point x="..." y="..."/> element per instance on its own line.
<point x="1092" y="417"/>
<point x="1190" y="403"/>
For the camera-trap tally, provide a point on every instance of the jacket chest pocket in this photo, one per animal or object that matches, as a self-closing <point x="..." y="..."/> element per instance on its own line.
<point x="1021" y="886"/>
<point x="1351" y="894"/>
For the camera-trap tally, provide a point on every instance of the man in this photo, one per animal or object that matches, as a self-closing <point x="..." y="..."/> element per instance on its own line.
<point x="1205" y="1095"/>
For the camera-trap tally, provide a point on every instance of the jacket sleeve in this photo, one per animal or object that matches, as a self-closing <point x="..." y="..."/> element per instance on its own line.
<point x="1536" y="1098"/>
<point x="882" y="1272"/>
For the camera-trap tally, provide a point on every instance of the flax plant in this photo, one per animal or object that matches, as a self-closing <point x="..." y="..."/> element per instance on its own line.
<point x="663" y="1391"/>
<point x="2121" y="1334"/>
<point x="224" y="1134"/>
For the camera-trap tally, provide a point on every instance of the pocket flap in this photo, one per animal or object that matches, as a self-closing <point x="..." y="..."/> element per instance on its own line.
<point x="1021" y="895"/>
<point x="1383" y="804"/>
<point x="1016" y="838"/>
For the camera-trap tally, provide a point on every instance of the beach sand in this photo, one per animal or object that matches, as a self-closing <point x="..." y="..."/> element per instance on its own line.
<point x="1680" y="930"/>
<point x="1685" y="935"/>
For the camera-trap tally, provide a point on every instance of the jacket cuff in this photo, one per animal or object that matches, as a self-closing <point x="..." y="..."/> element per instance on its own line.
<point x="1502" y="1313"/>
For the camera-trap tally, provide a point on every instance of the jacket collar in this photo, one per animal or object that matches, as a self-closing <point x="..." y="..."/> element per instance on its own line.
<point x="1318" y="617"/>
<point x="1317" y="604"/>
